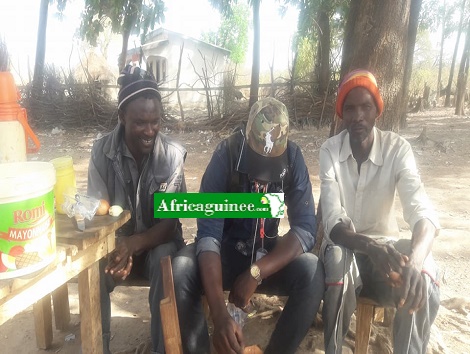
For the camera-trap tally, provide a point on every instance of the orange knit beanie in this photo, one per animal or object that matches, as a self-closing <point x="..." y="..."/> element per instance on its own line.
<point x="358" y="78"/>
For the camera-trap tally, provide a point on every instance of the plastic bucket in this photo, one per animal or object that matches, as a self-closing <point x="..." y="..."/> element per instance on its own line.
<point x="27" y="220"/>
<point x="14" y="128"/>
<point x="66" y="184"/>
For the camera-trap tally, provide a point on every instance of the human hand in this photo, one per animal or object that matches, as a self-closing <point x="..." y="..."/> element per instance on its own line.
<point x="242" y="290"/>
<point x="412" y="293"/>
<point x="228" y="336"/>
<point x="120" y="260"/>
<point x="388" y="261"/>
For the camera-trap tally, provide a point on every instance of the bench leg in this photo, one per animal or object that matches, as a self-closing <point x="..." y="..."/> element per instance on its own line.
<point x="364" y="315"/>
<point x="90" y="310"/>
<point x="43" y="322"/>
<point x="60" y="299"/>
<point x="389" y="315"/>
<point x="169" y="312"/>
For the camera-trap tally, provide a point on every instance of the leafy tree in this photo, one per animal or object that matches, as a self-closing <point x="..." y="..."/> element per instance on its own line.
<point x="127" y="16"/>
<point x="454" y="56"/>
<point x="371" y="44"/>
<point x="255" y="68"/>
<point x="232" y="33"/>
<point x="305" y="47"/>
<point x="38" y="76"/>
<point x="413" y="25"/>
<point x="225" y="7"/>
<point x="436" y="13"/>
<point x="462" y="76"/>
<point x="320" y="22"/>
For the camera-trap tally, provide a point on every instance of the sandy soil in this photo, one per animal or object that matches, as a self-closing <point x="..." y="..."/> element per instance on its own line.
<point x="444" y="160"/>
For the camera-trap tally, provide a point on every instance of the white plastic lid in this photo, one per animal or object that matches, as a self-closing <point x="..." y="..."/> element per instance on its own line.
<point x="23" y="179"/>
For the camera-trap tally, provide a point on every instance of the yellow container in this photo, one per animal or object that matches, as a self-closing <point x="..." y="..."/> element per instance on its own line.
<point x="66" y="184"/>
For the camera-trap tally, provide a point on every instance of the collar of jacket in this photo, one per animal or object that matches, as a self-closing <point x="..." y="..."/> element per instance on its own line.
<point x="112" y="149"/>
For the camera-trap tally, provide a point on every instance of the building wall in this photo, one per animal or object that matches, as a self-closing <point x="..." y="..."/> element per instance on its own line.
<point x="197" y="57"/>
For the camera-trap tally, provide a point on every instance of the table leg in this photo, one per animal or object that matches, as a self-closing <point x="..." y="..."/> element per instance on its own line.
<point x="60" y="299"/>
<point x="43" y="322"/>
<point x="90" y="310"/>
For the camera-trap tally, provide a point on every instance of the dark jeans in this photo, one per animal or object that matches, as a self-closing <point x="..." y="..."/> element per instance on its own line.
<point x="147" y="265"/>
<point x="302" y="281"/>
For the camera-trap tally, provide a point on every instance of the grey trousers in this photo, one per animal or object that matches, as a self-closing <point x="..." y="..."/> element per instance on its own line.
<point x="349" y="274"/>
<point x="147" y="265"/>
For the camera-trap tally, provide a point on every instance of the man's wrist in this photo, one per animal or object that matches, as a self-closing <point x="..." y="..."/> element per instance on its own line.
<point x="255" y="273"/>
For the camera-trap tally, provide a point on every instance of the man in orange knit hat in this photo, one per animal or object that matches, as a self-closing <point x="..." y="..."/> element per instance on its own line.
<point x="361" y="169"/>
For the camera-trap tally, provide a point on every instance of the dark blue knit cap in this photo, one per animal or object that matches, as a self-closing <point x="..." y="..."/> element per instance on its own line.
<point x="133" y="81"/>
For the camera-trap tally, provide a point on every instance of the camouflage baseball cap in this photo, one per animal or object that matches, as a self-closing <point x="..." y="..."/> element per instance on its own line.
<point x="266" y="135"/>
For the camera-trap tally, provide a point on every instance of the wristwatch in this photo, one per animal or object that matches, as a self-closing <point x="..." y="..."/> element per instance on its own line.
<point x="256" y="273"/>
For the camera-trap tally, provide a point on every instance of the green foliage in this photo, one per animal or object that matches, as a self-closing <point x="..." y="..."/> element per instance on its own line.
<point x="436" y="12"/>
<point x="232" y="33"/>
<point x="224" y="6"/>
<point x="309" y="9"/>
<point x="429" y="14"/>
<point x="425" y="65"/>
<point x="60" y="4"/>
<point x="137" y="16"/>
<point x="308" y="30"/>
<point x="306" y="57"/>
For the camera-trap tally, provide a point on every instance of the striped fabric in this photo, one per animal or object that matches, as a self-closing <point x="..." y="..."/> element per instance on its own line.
<point x="358" y="78"/>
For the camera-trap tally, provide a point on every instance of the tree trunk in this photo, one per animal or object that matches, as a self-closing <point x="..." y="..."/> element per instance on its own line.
<point x="426" y="93"/>
<point x="293" y="72"/>
<point x="454" y="56"/>
<point x="438" y="90"/>
<point x="178" y="83"/>
<point x="254" y="87"/>
<point x="462" y="77"/>
<point x="272" y="91"/>
<point x="123" y="55"/>
<point x="128" y="24"/>
<point x="376" y="39"/>
<point x="38" y="78"/>
<point x="323" y="50"/>
<point x="412" y="32"/>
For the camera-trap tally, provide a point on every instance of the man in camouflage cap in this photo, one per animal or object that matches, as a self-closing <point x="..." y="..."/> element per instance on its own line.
<point x="247" y="255"/>
<point x="266" y="135"/>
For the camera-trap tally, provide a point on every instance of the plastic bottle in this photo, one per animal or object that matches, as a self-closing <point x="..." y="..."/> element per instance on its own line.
<point x="237" y="314"/>
<point x="15" y="131"/>
<point x="66" y="185"/>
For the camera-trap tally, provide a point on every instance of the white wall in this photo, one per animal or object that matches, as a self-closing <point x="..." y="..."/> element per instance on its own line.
<point x="196" y="56"/>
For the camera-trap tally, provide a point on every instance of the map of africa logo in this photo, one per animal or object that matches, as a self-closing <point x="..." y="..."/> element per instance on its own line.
<point x="275" y="201"/>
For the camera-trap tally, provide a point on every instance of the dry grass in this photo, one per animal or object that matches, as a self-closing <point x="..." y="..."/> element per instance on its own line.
<point x="68" y="102"/>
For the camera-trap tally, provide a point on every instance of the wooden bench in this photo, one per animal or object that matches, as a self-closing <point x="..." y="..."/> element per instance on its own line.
<point x="367" y="311"/>
<point x="169" y="310"/>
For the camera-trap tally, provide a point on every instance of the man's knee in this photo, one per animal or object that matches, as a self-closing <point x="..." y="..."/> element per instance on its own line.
<point x="156" y="254"/>
<point x="336" y="261"/>
<point x="185" y="261"/>
<point x="106" y="280"/>
<point x="309" y="267"/>
<point x="403" y="246"/>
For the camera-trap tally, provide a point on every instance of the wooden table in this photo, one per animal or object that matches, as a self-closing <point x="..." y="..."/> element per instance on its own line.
<point x="78" y="253"/>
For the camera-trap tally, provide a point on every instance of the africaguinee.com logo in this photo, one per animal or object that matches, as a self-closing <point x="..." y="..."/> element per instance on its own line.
<point x="219" y="205"/>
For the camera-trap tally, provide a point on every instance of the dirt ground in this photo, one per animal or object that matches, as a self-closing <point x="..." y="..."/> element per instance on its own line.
<point x="444" y="162"/>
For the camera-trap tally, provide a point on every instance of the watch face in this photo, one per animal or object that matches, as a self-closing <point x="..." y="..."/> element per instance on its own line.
<point x="255" y="272"/>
